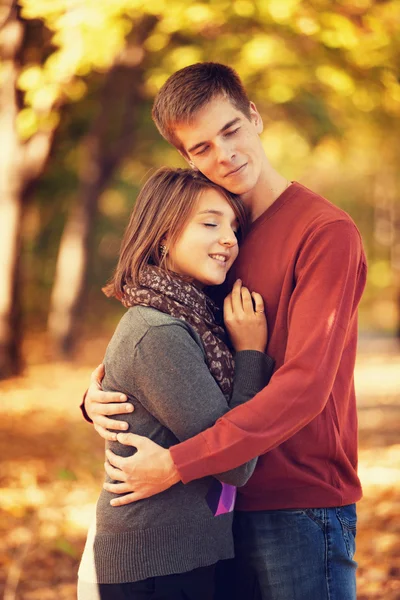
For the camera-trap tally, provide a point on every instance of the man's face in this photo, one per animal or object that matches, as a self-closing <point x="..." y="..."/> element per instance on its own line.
<point x="224" y="145"/>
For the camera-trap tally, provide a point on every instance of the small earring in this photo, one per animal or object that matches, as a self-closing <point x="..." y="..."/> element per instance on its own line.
<point x="163" y="250"/>
<point x="191" y="163"/>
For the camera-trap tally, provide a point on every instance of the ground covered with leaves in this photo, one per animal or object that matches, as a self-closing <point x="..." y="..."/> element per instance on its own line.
<point x="52" y="461"/>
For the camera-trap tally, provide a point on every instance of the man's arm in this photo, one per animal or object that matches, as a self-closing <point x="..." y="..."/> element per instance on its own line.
<point x="330" y="278"/>
<point x="169" y="377"/>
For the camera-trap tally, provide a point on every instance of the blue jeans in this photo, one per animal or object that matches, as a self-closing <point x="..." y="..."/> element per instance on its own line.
<point x="304" y="554"/>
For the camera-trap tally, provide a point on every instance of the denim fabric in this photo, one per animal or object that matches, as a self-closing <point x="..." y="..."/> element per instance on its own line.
<point x="304" y="554"/>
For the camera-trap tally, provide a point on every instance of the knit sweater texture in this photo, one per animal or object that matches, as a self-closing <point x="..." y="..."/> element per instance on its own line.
<point x="305" y="257"/>
<point x="158" y="361"/>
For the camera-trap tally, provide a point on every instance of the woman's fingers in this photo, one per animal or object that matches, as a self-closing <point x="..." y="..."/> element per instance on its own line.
<point x="247" y="303"/>
<point x="228" y="307"/>
<point x="236" y="294"/>
<point x="258" y="303"/>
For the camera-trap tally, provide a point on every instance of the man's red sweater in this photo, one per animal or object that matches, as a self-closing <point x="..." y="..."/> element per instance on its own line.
<point x="305" y="257"/>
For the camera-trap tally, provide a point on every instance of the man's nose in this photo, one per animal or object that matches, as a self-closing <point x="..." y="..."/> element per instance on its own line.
<point x="225" y="153"/>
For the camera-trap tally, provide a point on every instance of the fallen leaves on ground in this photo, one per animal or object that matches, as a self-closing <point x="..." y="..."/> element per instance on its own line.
<point x="52" y="472"/>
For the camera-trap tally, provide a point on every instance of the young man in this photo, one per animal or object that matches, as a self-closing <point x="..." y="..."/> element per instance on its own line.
<point x="296" y="517"/>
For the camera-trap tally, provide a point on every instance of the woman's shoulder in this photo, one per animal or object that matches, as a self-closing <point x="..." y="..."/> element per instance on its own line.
<point x="140" y="321"/>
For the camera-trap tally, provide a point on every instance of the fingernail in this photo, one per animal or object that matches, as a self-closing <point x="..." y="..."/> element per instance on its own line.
<point x="129" y="407"/>
<point x="124" y="426"/>
<point x="114" y="437"/>
<point x="123" y="398"/>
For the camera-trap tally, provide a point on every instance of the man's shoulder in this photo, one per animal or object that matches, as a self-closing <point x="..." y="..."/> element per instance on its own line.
<point x="316" y="208"/>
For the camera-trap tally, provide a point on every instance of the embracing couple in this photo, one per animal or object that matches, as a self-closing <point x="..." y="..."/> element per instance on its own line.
<point x="240" y="432"/>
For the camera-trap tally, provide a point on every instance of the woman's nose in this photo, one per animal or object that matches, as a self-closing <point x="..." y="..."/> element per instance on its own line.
<point x="228" y="240"/>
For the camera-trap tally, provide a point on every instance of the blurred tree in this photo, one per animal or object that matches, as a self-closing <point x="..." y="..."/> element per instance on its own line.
<point x="324" y="71"/>
<point x="110" y="138"/>
<point x="21" y="161"/>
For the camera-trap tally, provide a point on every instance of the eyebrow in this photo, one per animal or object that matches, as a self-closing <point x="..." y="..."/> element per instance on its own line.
<point x="212" y="211"/>
<point x="224" y="128"/>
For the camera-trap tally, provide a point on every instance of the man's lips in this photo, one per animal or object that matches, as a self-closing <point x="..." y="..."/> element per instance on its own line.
<point x="235" y="171"/>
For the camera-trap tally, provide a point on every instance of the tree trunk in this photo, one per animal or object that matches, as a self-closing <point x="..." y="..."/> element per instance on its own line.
<point x="11" y="191"/>
<point x="20" y="164"/>
<point x="101" y="158"/>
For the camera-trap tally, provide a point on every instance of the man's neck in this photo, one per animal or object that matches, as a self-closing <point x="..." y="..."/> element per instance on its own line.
<point x="269" y="187"/>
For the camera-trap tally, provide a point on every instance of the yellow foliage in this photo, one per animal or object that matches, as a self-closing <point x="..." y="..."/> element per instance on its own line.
<point x="43" y="99"/>
<point x="31" y="77"/>
<point x="261" y="50"/>
<point x="156" y="42"/>
<point x="338" y="31"/>
<point x="26" y="123"/>
<point x="282" y="10"/>
<point x="336" y="78"/>
<point x="365" y="99"/>
<point x="75" y="90"/>
<point x="183" y="56"/>
<point x="244" y="8"/>
<point x="279" y="93"/>
<point x="307" y="25"/>
<point x="199" y="13"/>
<point x="380" y="274"/>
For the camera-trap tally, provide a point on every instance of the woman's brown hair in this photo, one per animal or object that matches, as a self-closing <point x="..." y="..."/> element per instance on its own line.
<point x="163" y="207"/>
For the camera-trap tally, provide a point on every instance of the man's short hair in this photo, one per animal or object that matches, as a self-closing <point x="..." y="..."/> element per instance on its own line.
<point x="189" y="90"/>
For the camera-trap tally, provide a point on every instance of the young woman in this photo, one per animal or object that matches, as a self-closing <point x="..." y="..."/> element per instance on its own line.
<point x="170" y="356"/>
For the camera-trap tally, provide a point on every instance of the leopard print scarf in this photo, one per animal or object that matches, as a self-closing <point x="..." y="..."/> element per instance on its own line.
<point x="181" y="299"/>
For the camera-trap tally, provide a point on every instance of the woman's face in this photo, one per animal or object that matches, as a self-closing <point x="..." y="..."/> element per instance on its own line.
<point x="207" y="246"/>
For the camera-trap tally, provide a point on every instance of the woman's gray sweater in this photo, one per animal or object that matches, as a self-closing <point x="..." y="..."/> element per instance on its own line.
<point x="158" y="361"/>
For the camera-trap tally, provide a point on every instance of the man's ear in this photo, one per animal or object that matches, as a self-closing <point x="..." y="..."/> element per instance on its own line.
<point x="187" y="159"/>
<point x="256" y="118"/>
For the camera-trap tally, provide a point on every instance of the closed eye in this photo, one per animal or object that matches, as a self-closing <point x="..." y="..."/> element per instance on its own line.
<point x="202" y="151"/>
<point x="229" y="133"/>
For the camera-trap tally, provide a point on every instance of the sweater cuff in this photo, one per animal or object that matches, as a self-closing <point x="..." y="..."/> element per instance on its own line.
<point x="253" y="371"/>
<point x="83" y="409"/>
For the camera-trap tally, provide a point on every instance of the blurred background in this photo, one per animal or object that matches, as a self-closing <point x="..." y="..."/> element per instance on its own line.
<point x="77" y="81"/>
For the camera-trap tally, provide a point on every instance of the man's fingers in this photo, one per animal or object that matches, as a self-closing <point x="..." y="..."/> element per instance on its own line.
<point x="132" y="439"/>
<point x="117" y="488"/>
<point x="111" y="409"/>
<point x="105" y="434"/>
<point x="101" y="397"/>
<point x="113" y="473"/>
<point x="97" y="375"/>
<point x="115" y="460"/>
<point x="259" y="303"/>
<point x="127" y="499"/>
<point x="108" y="423"/>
